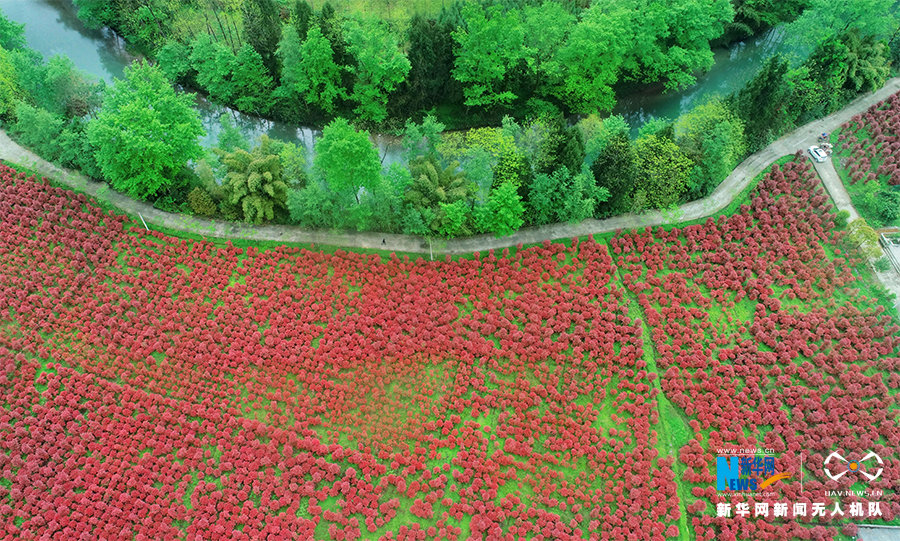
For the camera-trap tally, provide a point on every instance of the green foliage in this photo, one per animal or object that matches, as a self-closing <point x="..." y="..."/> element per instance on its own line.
<point x="214" y="64"/>
<point x="597" y="133"/>
<point x="145" y="132"/>
<point x="451" y="220"/>
<point x="888" y="205"/>
<point x="862" y="237"/>
<point x="380" y="66"/>
<point x="255" y="182"/>
<point x="490" y="45"/>
<point x="654" y="126"/>
<point x="502" y="215"/>
<point x="262" y="29"/>
<point x="840" y="219"/>
<point x="432" y="188"/>
<point x="823" y="20"/>
<point x="39" y="130"/>
<point x="230" y="137"/>
<point x="310" y="70"/>
<point x="562" y="197"/>
<point x="303" y="17"/>
<point x="314" y="206"/>
<point x="662" y="170"/>
<point x="174" y="59"/>
<point x="546" y="28"/>
<point x="427" y="133"/>
<point x="713" y="136"/>
<point x="12" y="34"/>
<point x="201" y="202"/>
<point x="96" y="13"/>
<point x="345" y="159"/>
<point x="561" y="147"/>
<point x="293" y="160"/>
<point x="763" y="104"/>
<point x="10" y="91"/>
<point x="592" y="57"/>
<point x="252" y="84"/>
<point x="429" y="82"/>
<point x="56" y="85"/>
<point x="615" y="169"/>
<point x="882" y="264"/>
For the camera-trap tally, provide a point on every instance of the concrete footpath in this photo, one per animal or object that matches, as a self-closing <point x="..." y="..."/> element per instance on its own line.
<point x="799" y="139"/>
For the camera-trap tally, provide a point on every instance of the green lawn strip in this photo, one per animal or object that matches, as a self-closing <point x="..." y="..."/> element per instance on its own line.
<point x="669" y="427"/>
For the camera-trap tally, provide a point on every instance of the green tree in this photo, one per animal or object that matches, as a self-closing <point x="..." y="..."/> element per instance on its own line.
<point x="502" y="215"/>
<point x="546" y="27"/>
<point x="429" y="133"/>
<point x="254" y="183"/>
<point x="96" y="13"/>
<point x="662" y="170"/>
<point x="763" y="104"/>
<point x="490" y="45"/>
<point x="12" y="34"/>
<point x="615" y="170"/>
<point x="346" y="159"/>
<point x="312" y="73"/>
<point x="823" y="20"/>
<point x="592" y="57"/>
<point x="597" y="133"/>
<point x="175" y="60"/>
<point x="39" y="130"/>
<point x="451" y="219"/>
<point x="145" y="133"/>
<point x="862" y="237"/>
<point x="262" y="29"/>
<point x="432" y="186"/>
<point x="713" y="136"/>
<point x="430" y="79"/>
<point x="562" y="197"/>
<point x="380" y="66"/>
<point x="214" y="64"/>
<point x="10" y="91"/>
<point x="252" y="84"/>
<point x="303" y="17"/>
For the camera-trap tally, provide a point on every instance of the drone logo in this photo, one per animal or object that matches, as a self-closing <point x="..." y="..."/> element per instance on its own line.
<point x="852" y="466"/>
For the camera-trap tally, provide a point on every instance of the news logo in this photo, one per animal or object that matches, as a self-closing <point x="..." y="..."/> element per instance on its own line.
<point x="738" y="473"/>
<point x="841" y="466"/>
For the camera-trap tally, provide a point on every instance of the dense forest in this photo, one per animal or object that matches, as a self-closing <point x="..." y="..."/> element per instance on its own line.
<point x="514" y="68"/>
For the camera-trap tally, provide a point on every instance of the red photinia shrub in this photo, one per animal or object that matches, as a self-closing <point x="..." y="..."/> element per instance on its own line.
<point x="155" y="388"/>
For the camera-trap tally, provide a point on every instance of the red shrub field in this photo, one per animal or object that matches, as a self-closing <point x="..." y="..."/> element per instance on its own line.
<point x="873" y="139"/>
<point x="157" y="388"/>
<point x="763" y="342"/>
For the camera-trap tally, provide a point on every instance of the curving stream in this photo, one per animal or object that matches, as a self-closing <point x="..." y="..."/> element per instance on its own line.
<point x="52" y="27"/>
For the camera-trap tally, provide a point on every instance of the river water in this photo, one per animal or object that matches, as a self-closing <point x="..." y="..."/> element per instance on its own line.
<point x="52" y="27"/>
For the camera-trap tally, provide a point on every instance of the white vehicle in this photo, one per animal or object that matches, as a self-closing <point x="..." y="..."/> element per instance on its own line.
<point x="817" y="154"/>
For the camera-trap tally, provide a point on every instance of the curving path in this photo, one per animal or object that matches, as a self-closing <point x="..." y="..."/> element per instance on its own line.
<point x="799" y="139"/>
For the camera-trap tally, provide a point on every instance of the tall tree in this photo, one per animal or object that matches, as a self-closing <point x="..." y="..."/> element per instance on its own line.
<point x="662" y="170"/>
<point x="430" y="80"/>
<point x="262" y="29"/>
<point x="12" y="34"/>
<point x="254" y="183"/>
<point x="310" y="70"/>
<point x="546" y="27"/>
<point x="592" y="57"/>
<point x="490" y="45"/>
<point x="303" y="18"/>
<point x="823" y="20"/>
<point x="214" y="63"/>
<point x="145" y="132"/>
<point x="763" y="104"/>
<point x="615" y="170"/>
<point x="380" y="66"/>
<point x="502" y="215"/>
<point x="346" y="159"/>
<point x="252" y="84"/>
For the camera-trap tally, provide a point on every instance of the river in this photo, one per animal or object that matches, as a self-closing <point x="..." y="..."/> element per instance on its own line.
<point x="52" y="27"/>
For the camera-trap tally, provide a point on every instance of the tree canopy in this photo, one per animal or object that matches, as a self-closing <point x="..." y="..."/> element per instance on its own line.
<point x="145" y="132"/>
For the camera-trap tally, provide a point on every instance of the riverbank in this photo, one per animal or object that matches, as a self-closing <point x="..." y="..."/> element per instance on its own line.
<point x="737" y="181"/>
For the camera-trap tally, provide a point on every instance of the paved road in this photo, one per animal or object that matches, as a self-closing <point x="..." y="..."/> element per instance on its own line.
<point x="732" y="186"/>
<point x="889" y="278"/>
